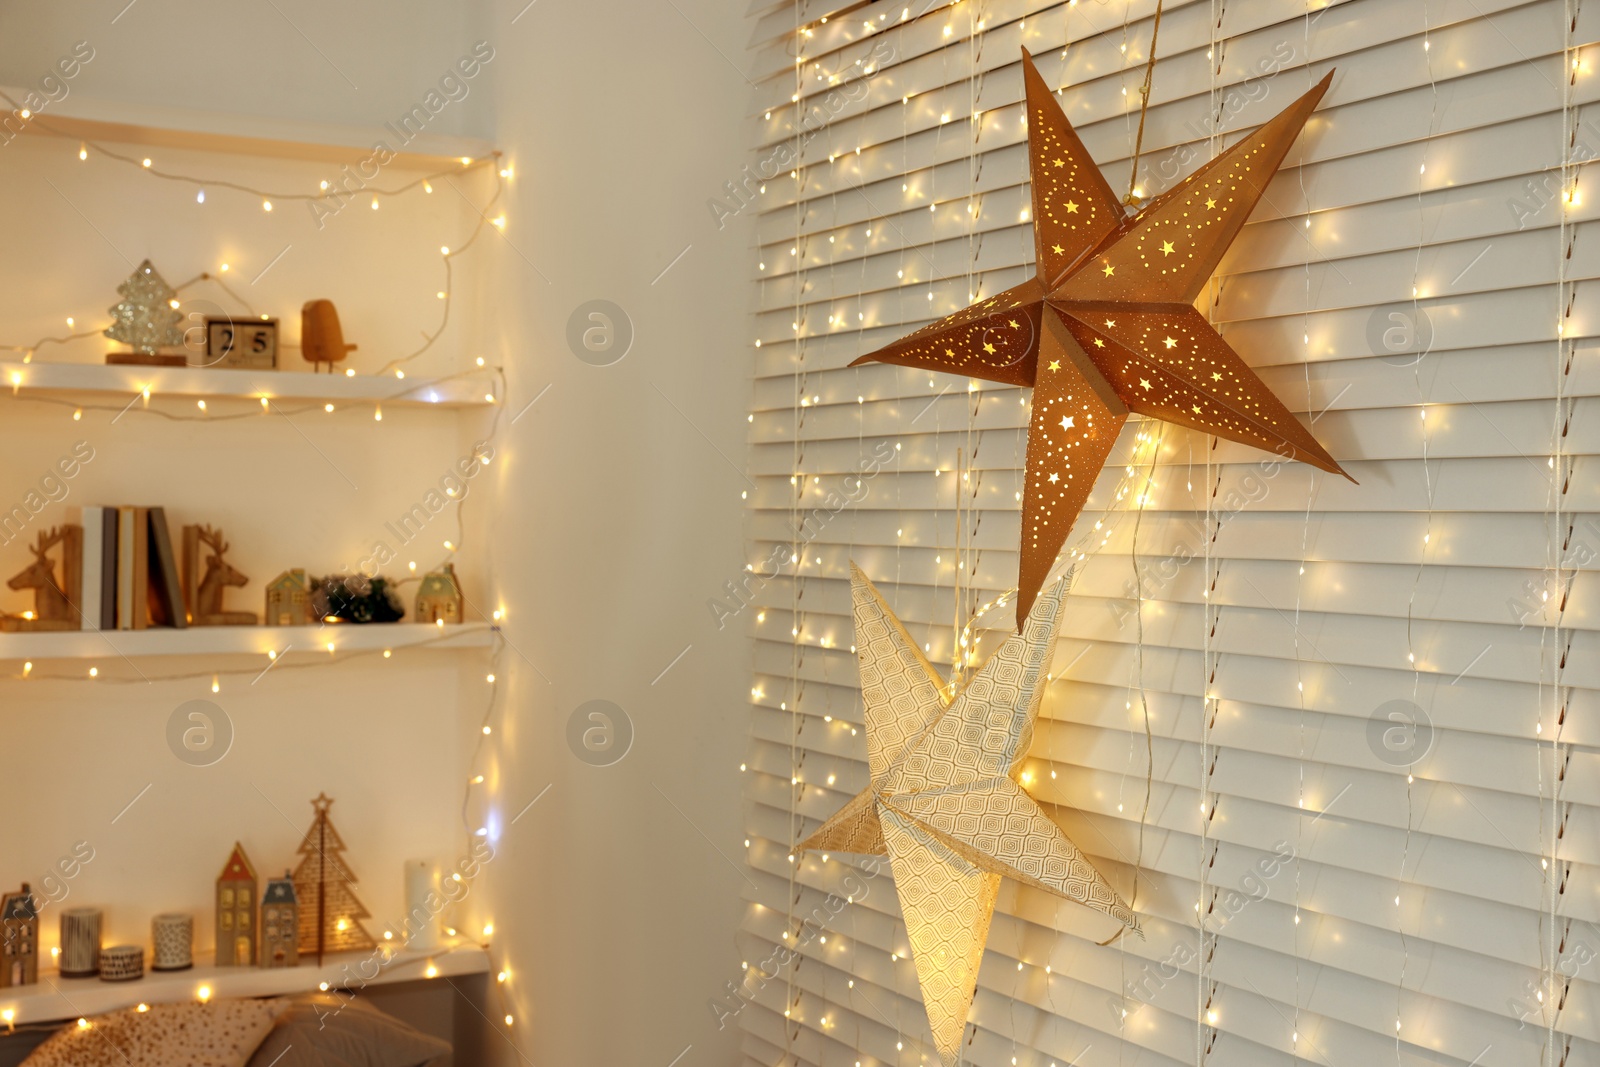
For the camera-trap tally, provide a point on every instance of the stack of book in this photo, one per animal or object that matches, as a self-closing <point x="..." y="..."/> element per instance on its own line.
<point x="130" y="574"/>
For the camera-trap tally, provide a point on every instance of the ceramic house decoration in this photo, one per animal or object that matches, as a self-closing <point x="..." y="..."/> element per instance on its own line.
<point x="280" y="923"/>
<point x="19" y="938"/>
<point x="439" y="596"/>
<point x="289" y="600"/>
<point x="236" y="909"/>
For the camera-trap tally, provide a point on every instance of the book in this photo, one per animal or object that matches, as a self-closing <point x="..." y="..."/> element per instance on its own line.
<point x="94" y="533"/>
<point x="125" y="568"/>
<point x="166" y="589"/>
<point x="108" y="568"/>
<point x="141" y="568"/>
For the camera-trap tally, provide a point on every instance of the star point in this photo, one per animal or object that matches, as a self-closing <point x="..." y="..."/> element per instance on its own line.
<point x="944" y="805"/>
<point x="1074" y="364"/>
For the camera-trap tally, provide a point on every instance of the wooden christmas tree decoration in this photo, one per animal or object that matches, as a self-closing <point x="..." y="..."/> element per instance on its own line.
<point x="204" y="592"/>
<point x="330" y="912"/>
<point x="56" y="602"/>
<point x="147" y="318"/>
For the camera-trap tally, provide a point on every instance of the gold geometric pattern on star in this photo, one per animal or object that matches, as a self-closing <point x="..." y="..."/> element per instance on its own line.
<point x="1106" y="325"/>
<point x="944" y="804"/>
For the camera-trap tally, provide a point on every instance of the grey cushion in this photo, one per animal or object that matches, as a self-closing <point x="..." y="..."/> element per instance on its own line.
<point x="334" y="1030"/>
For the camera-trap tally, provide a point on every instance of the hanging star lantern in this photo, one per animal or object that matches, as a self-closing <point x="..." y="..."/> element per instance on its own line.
<point x="1107" y="325"/>
<point x="944" y="804"/>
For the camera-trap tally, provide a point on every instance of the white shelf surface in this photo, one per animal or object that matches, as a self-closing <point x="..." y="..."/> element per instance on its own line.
<point x="125" y="122"/>
<point x="55" y="998"/>
<point x="126" y="381"/>
<point x="293" y="641"/>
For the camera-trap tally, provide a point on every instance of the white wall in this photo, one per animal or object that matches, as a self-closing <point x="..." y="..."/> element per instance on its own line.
<point x="620" y="519"/>
<point x="610" y="515"/>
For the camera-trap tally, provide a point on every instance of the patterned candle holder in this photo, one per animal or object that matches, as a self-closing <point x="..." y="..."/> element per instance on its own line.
<point x="172" y="934"/>
<point x="121" y="963"/>
<point x="80" y="942"/>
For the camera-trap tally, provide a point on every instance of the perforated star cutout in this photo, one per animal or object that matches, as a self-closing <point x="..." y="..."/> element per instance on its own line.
<point x="1108" y="325"/>
<point x="944" y="804"/>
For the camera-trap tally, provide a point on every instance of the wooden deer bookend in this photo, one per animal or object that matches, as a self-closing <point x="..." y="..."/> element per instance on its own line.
<point x="56" y="603"/>
<point x="203" y="591"/>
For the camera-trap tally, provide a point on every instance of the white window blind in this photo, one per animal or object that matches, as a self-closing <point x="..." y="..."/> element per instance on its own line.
<point x="1400" y="286"/>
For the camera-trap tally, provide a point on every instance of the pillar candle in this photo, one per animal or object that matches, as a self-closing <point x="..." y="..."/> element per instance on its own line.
<point x="423" y="903"/>
<point x="80" y="942"/>
<point x="172" y="933"/>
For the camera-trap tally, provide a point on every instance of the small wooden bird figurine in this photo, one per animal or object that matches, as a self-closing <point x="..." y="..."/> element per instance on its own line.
<point x="321" y="339"/>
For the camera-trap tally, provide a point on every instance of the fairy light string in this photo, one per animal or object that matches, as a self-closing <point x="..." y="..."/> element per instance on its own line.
<point x="1209" y="611"/>
<point x="145" y="165"/>
<point x="267" y="196"/>
<point x="333" y="656"/>
<point x="791" y="1027"/>
<point x="1300" y="579"/>
<point x="1556" y="981"/>
<point x="1430" y="486"/>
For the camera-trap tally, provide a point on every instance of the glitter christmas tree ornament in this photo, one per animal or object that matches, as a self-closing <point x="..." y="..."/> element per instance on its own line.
<point x="146" y="318"/>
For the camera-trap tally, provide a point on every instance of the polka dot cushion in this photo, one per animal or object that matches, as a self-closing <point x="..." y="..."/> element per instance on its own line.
<point x="220" y="1034"/>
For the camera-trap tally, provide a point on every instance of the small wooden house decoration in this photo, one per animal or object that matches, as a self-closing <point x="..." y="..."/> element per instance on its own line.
<point x="280" y="923"/>
<point x="289" y="599"/>
<point x="19" y="927"/>
<point x="236" y="910"/>
<point x="439" y="596"/>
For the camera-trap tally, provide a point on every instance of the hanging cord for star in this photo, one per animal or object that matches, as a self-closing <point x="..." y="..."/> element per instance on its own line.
<point x="1132" y="198"/>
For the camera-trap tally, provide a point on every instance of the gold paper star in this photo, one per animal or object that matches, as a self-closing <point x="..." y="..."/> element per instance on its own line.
<point x="1107" y="374"/>
<point x="944" y="804"/>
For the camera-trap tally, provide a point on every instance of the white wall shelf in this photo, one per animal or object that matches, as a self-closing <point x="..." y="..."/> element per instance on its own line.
<point x="125" y="122"/>
<point x="125" y="381"/>
<point x="111" y="645"/>
<point x="57" y="998"/>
